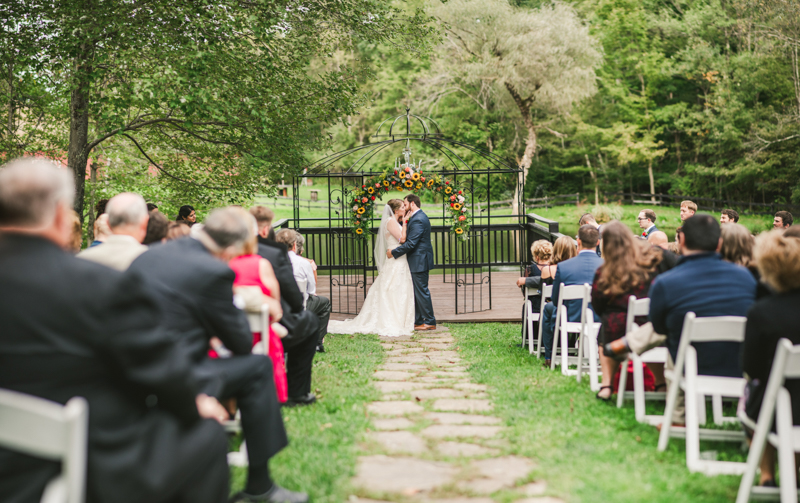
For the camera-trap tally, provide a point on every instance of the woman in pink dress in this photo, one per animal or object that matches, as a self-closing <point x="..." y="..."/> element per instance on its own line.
<point x="252" y="270"/>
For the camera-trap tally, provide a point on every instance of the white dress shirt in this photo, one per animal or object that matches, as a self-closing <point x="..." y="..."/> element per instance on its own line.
<point x="303" y="271"/>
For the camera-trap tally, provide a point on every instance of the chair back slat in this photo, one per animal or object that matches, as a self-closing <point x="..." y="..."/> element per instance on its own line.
<point x="636" y="307"/>
<point x="571" y="292"/>
<point x="718" y="329"/>
<point x="547" y="291"/>
<point x="792" y="364"/>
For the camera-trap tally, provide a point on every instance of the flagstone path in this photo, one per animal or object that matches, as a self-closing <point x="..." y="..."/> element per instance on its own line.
<point x="435" y="439"/>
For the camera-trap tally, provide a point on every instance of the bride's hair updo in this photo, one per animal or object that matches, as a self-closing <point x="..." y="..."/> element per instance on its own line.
<point x="395" y="204"/>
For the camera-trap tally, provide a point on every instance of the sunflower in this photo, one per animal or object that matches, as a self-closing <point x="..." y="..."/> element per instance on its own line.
<point x="430" y="183"/>
<point x="419" y="186"/>
<point x="415" y="176"/>
<point x="456" y="206"/>
<point x="371" y="190"/>
<point x="359" y="231"/>
<point x="402" y="174"/>
<point x="448" y="190"/>
<point x="408" y="183"/>
<point x="459" y="230"/>
<point x="361" y="210"/>
<point x="385" y="183"/>
<point x="399" y="189"/>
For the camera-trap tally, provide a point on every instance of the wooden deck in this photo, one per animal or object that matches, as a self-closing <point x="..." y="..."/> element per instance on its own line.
<point x="506" y="300"/>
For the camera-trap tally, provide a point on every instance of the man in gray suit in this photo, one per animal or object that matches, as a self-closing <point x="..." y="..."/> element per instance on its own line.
<point x="420" y="261"/>
<point x="127" y="218"/>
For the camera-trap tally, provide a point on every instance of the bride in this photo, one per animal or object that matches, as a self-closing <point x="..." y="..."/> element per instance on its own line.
<point x="389" y="307"/>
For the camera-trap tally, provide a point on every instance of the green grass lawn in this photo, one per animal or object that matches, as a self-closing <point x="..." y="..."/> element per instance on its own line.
<point x="586" y="450"/>
<point x="321" y="456"/>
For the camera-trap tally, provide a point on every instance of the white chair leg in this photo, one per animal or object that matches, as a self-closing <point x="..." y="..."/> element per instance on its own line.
<point x="716" y="407"/>
<point x="594" y="356"/>
<point x="666" y="422"/>
<point x="623" y="383"/>
<point x="783" y="423"/>
<point x="638" y="389"/>
<point x="692" y="412"/>
<point x="564" y="349"/>
<point x="582" y="346"/>
<point x="524" y="321"/>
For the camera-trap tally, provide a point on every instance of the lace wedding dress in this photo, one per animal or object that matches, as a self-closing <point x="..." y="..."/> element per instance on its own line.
<point x="388" y="309"/>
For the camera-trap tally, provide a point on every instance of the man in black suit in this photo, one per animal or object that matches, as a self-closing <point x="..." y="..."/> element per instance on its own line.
<point x="303" y="325"/>
<point x="197" y="289"/>
<point x="71" y="327"/>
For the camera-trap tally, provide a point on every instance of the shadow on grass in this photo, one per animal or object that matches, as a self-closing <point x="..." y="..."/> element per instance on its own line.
<point x="322" y="451"/>
<point x="586" y="450"/>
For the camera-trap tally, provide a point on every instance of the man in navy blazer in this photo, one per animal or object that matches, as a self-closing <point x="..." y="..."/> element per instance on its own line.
<point x="575" y="271"/>
<point x="420" y="261"/>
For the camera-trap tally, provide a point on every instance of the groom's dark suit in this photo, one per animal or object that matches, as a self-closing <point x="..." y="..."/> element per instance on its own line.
<point x="420" y="262"/>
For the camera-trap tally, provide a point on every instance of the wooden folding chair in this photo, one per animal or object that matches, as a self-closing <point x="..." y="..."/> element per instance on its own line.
<point x="640" y="307"/>
<point x="51" y="431"/>
<point x="697" y="387"/>
<point x="776" y="404"/>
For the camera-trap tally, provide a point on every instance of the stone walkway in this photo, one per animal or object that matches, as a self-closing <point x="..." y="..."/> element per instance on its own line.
<point x="435" y="440"/>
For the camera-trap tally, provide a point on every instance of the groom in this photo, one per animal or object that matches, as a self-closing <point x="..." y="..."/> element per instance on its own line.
<point x="420" y="261"/>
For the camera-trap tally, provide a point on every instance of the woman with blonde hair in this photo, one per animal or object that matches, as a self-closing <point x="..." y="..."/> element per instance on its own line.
<point x="628" y="269"/>
<point x="770" y="319"/>
<point x="542" y="251"/>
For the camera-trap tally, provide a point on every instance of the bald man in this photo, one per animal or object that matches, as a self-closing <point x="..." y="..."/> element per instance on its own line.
<point x="127" y="219"/>
<point x="659" y="238"/>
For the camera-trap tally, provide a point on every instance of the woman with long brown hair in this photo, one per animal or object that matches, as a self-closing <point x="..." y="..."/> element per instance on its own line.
<point x="628" y="269"/>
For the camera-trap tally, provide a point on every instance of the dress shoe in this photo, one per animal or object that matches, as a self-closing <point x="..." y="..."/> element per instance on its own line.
<point x="320" y="348"/>
<point x="429" y="327"/>
<point x="275" y="495"/>
<point x="300" y="400"/>
<point x="617" y="349"/>
<point x="419" y="328"/>
<point x="546" y="364"/>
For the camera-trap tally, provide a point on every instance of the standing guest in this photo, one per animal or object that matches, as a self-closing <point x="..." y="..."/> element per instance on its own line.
<point x="770" y="319"/>
<point x="253" y="271"/>
<point x="647" y="221"/>
<point x="157" y="227"/>
<point x="186" y="214"/>
<point x="177" y="230"/>
<point x="708" y="286"/>
<point x="627" y="269"/>
<point x="303" y="325"/>
<point x="127" y="218"/>
<point x="77" y="234"/>
<point x="728" y="216"/>
<point x="542" y="252"/>
<point x="151" y="207"/>
<point x="588" y="219"/>
<point x="782" y="220"/>
<point x="194" y="283"/>
<point x="101" y="230"/>
<point x="688" y="209"/>
<point x="98" y="338"/>
<point x="575" y="271"/>
<point x="302" y="269"/>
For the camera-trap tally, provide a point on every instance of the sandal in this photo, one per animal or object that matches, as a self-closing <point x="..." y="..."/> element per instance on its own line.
<point x="662" y="385"/>
<point x="608" y="398"/>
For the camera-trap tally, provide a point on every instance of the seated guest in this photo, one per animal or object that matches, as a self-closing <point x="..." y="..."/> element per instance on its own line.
<point x="253" y="271"/>
<point x="302" y="324"/>
<point x="301" y="247"/>
<point x="575" y="271"/>
<point x="317" y="304"/>
<point x="647" y="221"/>
<point x="770" y="319"/>
<point x="101" y="230"/>
<point x="688" y="209"/>
<point x="728" y="217"/>
<point x="195" y="285"/>
<point x="782" y="220"/>
<point x="737" y="248"/>
<point x="793" y="231"/>
<point x="98" y="338"/>
<point x="706" y="285"/>
<point x="628" y="269"/>
<point x="187" y="215"/>
<point x="157" y="227"/>
<point x="177" y="230"/>
<point x="659" y="241"/>
<point x="127" y="219"/>
<point x="542" y="252"/>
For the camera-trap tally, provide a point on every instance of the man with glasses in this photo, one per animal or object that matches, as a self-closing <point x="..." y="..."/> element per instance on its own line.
<point x="647" y="221"/>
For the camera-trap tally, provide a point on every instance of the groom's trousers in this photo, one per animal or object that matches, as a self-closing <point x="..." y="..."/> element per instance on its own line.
<point x="423" y="307"/>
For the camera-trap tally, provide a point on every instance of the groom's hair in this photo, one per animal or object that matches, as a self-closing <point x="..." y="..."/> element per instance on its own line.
<point x="413" y="198"/>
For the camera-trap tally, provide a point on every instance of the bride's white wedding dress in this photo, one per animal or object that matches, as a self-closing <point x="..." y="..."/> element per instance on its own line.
<point x="388" y="309"/>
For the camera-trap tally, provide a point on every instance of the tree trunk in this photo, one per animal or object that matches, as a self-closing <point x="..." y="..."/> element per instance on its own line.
<point x="594" y="180"/>
<point x="78" y="153"/>
<point x="652" y="181"/>
<point x="524" y="106"/>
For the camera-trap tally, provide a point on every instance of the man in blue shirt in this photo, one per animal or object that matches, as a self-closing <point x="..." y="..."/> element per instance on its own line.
<point x="706" y="285"/>
<point x="575" y="271"/>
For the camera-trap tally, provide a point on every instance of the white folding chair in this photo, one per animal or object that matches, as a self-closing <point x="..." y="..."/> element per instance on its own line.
<point x="302" y="284"/>
<point x="564" y="327"/>
<point x="640" y="307"/>
<point x="588" y="346"/>
<point x="697" y="387"/>
<point x="51" y="431"/>
<point x="777" y="402"/>
<point x="529" y="317"/>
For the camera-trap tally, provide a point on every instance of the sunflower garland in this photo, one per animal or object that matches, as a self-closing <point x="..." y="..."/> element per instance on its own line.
<point x="406" y="178"/>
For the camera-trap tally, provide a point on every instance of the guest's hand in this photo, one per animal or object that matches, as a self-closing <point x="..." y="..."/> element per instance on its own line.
<point x="388" y="254"/>
<point x="521" y="282"/>
<point x="209" y="408"/>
